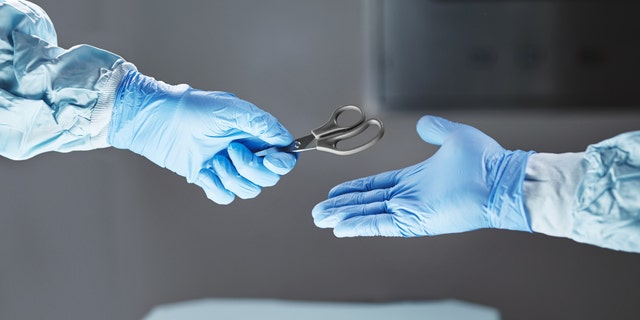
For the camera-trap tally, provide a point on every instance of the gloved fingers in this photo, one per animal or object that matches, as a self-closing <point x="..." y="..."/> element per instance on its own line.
<point x="355" y="198"/>
<point x="330" y="217"/>
<point x="280" y="162"/>
<point x="213" y="187"/>
<point x="380" y="181"/>
<point x="250" y="166"/>
<point x="232" y="180"/>
<point x="367" y="226"/>
<point x="435" y="130"/>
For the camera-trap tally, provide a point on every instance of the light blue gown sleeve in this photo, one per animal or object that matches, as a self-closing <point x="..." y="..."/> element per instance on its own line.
<point x="591" y="197"/>
<point x="51" y="99"/>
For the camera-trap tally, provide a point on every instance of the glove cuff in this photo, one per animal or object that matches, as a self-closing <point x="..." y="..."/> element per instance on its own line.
<point x="102" y="112"/>
<point x="506" y="208"/>
<point x="121" y="129"/>
<point x="135" y="99"/>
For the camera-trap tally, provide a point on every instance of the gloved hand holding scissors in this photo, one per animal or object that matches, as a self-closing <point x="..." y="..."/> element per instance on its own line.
<point x="470" y="183"/>
<point x="207" y="137"/>
<point x="219" y="142"/>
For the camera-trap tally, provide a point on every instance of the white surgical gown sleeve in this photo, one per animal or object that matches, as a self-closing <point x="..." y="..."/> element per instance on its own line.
<point x="591" y="197"/>
<point x="51" y="99"/>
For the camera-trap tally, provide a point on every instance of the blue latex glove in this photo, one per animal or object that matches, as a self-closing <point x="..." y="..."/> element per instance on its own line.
<point x="471" y="182"/>
<point x="207" y="137"/>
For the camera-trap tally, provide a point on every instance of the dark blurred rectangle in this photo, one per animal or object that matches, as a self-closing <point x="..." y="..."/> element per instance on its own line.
<point x="513" y="54"/>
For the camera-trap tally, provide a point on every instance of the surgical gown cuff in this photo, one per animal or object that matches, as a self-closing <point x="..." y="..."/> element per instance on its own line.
<point x="550" y="185"/>
<point x="102" y="112"/>
<point x="505" y="203"/>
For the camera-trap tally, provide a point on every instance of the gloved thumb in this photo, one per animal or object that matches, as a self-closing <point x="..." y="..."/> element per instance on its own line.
<point x="263" y="126"/>
<point x="269" y="130"/>
<point x="435" y="130"/>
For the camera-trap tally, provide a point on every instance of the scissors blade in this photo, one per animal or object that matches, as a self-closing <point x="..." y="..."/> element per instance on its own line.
<point x="304" y="143"/>
<point x="298" y="145"/>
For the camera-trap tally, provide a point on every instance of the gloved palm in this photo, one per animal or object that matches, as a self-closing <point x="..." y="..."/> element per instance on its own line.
<point x="206" y="137"/>
<point x="471" y="182"/>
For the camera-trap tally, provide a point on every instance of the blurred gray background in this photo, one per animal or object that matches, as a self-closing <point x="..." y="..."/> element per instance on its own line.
<point x="107" y="235"/>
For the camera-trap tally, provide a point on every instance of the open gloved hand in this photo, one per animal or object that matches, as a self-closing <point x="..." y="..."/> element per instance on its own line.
<point x="207" y="137"/>
<point x="470" y="183"/>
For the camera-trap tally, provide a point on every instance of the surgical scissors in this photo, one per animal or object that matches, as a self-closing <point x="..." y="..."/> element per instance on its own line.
<point x="326" y="137"/>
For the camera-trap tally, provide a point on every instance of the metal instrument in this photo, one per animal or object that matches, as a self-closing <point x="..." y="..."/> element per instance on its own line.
<point x="326" y="137"/>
